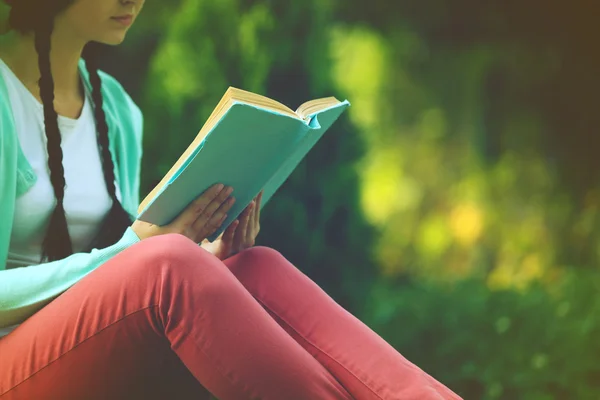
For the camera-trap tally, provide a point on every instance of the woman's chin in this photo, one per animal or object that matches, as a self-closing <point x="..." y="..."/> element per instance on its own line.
<point x="113" y="39"/>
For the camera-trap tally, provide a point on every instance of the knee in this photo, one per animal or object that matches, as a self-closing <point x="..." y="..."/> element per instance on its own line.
<point x="262" y="254"/>
<point x="170" y="253"/>
<point x="170" y="247"/>
<point x="261" y="259"/>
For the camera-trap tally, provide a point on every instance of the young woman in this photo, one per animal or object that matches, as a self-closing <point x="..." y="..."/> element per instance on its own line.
<point x="97" y="307"/>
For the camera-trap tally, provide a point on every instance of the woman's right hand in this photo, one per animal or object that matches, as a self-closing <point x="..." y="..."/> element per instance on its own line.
<point x="198" y="221"/>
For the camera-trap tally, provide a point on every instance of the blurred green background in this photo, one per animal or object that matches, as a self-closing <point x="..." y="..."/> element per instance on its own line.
<point x="454" y="208"/>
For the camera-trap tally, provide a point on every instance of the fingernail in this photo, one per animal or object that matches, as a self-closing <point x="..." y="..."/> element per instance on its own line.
<point x="220" y="187"/>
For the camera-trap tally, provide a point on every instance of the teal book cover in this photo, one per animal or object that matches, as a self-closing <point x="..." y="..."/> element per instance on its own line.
<point x="249" y="148"/>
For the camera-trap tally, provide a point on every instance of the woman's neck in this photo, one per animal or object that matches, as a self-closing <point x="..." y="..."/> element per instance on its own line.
<point x="18" y="52"/>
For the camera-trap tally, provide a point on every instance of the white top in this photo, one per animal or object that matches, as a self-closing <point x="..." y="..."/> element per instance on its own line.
<point x="86" y="199"/>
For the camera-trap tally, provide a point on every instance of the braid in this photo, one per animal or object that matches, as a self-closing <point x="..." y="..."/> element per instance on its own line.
<point x="118" y="220"/>
<point x="38" y="16"/>
<point x="57" y="243"/>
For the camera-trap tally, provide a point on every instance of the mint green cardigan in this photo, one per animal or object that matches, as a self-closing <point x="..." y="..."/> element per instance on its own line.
<point x="24" y="291"/>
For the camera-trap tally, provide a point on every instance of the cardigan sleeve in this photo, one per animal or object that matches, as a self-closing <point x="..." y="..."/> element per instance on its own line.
<point x="24" y="291"/>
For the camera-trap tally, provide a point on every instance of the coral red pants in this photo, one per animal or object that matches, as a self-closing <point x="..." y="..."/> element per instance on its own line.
<point x="165" y="319"/>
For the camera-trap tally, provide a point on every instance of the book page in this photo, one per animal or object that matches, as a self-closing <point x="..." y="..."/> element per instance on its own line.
<point x="258" y="100"/>
<point x="313" y="106"/>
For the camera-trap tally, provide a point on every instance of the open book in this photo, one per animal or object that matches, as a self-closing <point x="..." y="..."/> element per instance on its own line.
<point x="249" y="142"/>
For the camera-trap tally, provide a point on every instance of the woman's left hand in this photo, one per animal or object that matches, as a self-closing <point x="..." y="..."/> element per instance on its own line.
<point x="240" y="234"/>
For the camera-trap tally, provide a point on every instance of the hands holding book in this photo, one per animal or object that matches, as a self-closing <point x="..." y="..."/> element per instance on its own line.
<point x="204" y="216"/>
<point x="265" y="141"/>
<point x="240" y="235"/>
<point x="198" y="220"/>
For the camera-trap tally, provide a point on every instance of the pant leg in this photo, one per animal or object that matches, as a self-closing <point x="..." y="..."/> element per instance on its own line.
<point x="367" y="366"/>
<point x="111" y="334"/>
<point x="54" y="355"/>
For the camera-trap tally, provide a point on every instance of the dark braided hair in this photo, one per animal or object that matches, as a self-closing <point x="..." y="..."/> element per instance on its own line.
<point x="118" y="220"/>
<point x="37" y="16"/>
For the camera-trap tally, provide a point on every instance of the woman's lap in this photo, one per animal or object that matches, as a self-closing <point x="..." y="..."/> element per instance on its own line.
<point x="79" y="347"/>
<point x="112" y="336"/>
<point x="122" y="330"/>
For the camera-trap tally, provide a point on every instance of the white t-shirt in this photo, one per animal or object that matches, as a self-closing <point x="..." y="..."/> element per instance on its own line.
<point x="86" y="199"/>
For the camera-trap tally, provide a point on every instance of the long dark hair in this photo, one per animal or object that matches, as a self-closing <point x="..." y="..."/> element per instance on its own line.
<point x="38" y="16"/>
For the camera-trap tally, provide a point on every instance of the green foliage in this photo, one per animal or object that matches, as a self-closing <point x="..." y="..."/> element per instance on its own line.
<point x="455" y="207"/>
<point x="3" y="17"/>
<point x="497" y="344"/>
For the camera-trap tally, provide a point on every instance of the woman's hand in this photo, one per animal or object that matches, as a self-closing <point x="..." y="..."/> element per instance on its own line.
<point x="240" y="235"/>
<point x="198" y="221"/>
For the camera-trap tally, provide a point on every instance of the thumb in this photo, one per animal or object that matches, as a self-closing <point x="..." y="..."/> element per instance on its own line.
<point x="230" y="232"/>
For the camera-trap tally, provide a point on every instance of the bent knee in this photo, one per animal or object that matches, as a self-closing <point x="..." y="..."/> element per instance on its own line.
<point x="260" y="258"/>
<point x="262" y="255"/>
<point x="168" y="243"/>
<point x="170" y="251"/>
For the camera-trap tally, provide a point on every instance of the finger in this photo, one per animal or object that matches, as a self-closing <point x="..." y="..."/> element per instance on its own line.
<point x="199" y="204"/>
<point x="251" y="229"/>
<point x="240" y="236"/>
<point x="213" y="214"/>
<point x="226" y="205"/>
<point x="215" y="204"/>
<point x="257" y="209"/>
<point x="222" y="210"/>
<point x="209" y="227"/>
<point x="249" y="221"/>
<point x="230" y="232"/>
